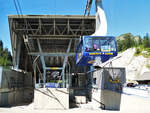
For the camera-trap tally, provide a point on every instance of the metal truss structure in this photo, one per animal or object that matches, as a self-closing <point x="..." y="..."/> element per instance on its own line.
<point x="41" y="43"/>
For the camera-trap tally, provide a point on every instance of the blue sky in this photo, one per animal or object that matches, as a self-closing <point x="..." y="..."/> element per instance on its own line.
<point x="123" y="16"/>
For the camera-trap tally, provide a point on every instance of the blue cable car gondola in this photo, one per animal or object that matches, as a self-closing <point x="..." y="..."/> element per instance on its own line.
<point x="92" y="47"/>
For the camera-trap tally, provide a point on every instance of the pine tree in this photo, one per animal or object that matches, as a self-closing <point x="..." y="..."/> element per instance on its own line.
<point x="146" y="41"/>
<point x="140" y="41"/>
<point x="5" y="56"/>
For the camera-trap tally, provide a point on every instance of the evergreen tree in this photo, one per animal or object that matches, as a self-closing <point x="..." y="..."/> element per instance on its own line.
<point x="126" y="41"/>
<point x="1" y="45"/>
<point x="140" y="41"/>
<point x="5" y="56"/>
<point x="146" y="41"/>
<point x="119" y="45"/>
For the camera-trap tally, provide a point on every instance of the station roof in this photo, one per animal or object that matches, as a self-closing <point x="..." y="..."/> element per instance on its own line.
<point x="53" y="32"/>
<point x="52" y="16"/>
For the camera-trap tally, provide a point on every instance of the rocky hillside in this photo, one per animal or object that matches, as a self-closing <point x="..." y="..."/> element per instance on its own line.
<point x="135" y="65"/>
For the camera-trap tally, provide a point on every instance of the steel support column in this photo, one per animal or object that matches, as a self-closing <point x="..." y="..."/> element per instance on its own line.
<point x="64" y="64"/>
<point x="34" y="68"/>
<point x="18" y="53"/>
<point x="44" y="77"/>
<point x="91" y="74"/>
<point x="43" y="62"/>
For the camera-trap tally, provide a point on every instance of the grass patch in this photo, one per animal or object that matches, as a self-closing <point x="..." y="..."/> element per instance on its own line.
<point x="147" y="49"/>
<point x="146" y="55"/>
<point x="120" y="52"/>
<point x="138" y="51"/>
<point x="148" y="66"/>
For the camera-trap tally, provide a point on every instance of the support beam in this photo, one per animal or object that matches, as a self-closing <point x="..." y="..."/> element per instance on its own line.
<point x="40" y="28"/>
<point x="18" y="51"/>
<point x="91" y="75"/>
<point x="51" y="37"/>
<point x="41" y="56"/>
<point x="68" y="26"/>
<point x="44" y="77"/>
<point x="69" y="76"/>
<point x="50" y="54"/>
<point x="54" y="27"/>
<point x="64" y="64"/>
<point x="53" y="68"/>
<point x="43" y="61"/>
<point x="34" y="68"/>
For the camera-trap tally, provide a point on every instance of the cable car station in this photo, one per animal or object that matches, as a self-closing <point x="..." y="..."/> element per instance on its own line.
<point x="61" y="57"/>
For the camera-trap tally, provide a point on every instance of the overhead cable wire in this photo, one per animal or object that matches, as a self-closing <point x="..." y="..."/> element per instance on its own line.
<point x="19" y="11"/>
<point x="16" y="6"/>
<point x="88" y="7"/>
<point x="19" y="7"/>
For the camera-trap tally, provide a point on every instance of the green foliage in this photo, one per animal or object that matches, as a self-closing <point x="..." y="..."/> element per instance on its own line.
<point x="1" y="45"/>
<point x="140" y="41"/>
<point x="146" y="41"/>
<point x="148" y="66"/>
<point x="138" y="51"/>
<point x="126" y="42"/>
<point x="146" y="55"/>
<point x="147" y="49"/>
<point x="5" y="56"/>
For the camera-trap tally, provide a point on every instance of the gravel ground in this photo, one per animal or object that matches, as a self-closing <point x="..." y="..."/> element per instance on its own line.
<point x="129" y="104"/>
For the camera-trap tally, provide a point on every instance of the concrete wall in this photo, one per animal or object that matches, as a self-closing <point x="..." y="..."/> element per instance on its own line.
<point x="111" y="99"/>
<point x="111" y="87"/>
<point x="51" y="98"/>
<point x="110" y="82"/>
<point x="105" y="75"/>
<point x="15" y="87"/>
<point x="16" y="97"/>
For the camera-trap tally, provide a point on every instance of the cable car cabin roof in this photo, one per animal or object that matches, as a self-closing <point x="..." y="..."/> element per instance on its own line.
<point x="95" y="49"/>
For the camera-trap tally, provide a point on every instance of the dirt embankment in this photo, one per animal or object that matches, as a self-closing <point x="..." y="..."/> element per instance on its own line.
<point x="135" y="65"/>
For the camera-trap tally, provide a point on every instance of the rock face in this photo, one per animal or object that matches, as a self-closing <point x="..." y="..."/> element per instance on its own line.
<point x="135" y="65"/>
